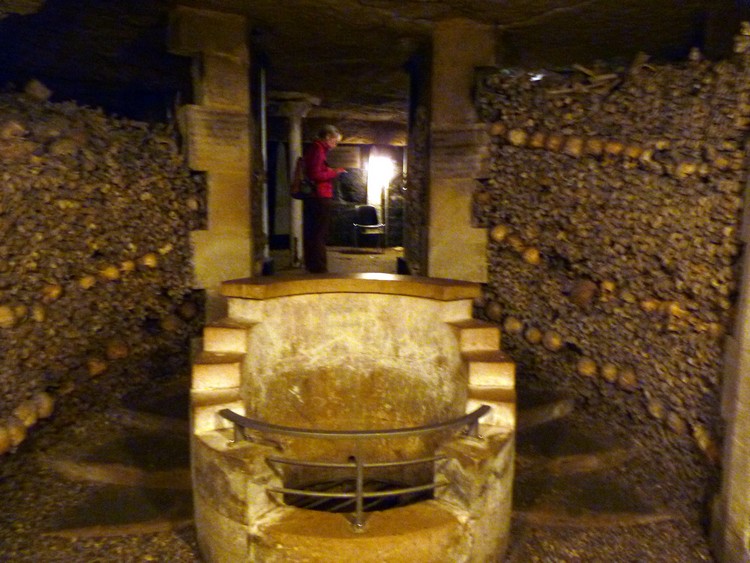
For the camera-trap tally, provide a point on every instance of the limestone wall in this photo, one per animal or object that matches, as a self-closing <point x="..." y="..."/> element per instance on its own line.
<point x="95" y="258"/>
<point x="613" y="207"/>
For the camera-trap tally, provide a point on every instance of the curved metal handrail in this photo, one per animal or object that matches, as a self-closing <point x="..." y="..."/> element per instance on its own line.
<point x="470" y="420"/>
<point x="242" y="423"/>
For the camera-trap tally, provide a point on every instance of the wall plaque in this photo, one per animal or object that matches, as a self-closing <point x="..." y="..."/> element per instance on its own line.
<point x="459" y="153"/>
<point x="459" y="162"/>
<point x="216" y="139"/>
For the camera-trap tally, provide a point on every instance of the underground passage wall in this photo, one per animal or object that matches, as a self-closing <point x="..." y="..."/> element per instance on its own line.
<point x="95" y="259"/>
<point x="613" y="209"/>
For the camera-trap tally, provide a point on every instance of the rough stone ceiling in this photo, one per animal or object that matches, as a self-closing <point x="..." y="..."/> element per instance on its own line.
<point x="350" y="53"/>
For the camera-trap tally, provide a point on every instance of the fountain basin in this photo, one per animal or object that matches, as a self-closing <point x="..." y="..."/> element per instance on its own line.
<point x="366" y="352"/>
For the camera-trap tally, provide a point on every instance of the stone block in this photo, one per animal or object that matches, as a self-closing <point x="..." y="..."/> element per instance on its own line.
<point x="225" y="472"/>
<point x="459" y="310"/>
<point x="475" y="335"/>
<point x="453" y="68"/>
<point x="491" y="518"/>
<point x="225" y="336"/>
<point x="456" y="249"/>
<point x="502" y="415"/>
<point x="219" y="480"/>
<point x="490" y="369"/>
<point x="220" y="538"/>
<point x="205" y="414"/>
<point x="475" y="458"/>
<point x="23" y="7"/>
<point x="215" y="370"/>
<point x="246" y="310"/>
<point x="223" y="83"/>
<point x="193" y="31"/>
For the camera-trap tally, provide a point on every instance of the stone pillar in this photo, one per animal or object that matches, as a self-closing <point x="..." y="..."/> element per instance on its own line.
<point x="730" y="526"/>
<point x="217" y="140"/>
<point x="295" y="110"/>
<point x="458" y="150"/>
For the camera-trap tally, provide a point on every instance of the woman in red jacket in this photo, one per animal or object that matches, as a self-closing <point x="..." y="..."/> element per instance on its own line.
<point x="316" y="210"/>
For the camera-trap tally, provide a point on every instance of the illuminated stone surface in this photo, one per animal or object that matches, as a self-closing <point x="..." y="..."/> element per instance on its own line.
<point x="357" y="352"/>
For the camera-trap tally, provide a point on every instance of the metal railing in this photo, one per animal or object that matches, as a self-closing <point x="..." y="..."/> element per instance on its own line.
<point x="242" y="424"/>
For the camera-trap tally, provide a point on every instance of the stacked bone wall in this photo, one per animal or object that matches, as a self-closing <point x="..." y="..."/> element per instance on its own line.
<point x="95" y="258"/>
<point x="613" y="210"/>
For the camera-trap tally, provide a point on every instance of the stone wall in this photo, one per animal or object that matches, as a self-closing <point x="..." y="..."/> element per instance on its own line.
<point x="613" y="207"/>
<point x="95" y="258"/>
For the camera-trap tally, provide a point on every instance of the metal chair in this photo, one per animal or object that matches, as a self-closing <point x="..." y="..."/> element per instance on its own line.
<point x="366" y="222"/>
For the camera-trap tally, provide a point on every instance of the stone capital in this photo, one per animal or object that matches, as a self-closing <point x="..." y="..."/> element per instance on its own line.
<point x="292" y="104"/>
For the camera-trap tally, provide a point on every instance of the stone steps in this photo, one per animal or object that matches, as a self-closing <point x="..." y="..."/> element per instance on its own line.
<point x="112" y="510"/>
<point x="557" y="448"/>
<point x="492" y="373"/>
<point x="134" y="466"/>
<point x="226" y="335"/>
<point x="573" y="502"/>
<point x="476" y="335"/>
<point x="121" y="474"/>
<point x="537" y="407"/>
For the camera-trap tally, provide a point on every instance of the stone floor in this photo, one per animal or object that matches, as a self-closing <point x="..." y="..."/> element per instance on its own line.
<point x="342" y="260"/>
<point x="114" y="485"/>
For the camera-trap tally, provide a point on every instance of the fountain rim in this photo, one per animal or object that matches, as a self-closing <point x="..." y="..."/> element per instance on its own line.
<point x="268" y="287"/>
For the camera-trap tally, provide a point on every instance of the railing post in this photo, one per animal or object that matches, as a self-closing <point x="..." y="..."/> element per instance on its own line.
<point x="359" y="515"/>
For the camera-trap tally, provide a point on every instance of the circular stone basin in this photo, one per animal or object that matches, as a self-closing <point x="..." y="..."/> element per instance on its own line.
<point x="363" y="353"/>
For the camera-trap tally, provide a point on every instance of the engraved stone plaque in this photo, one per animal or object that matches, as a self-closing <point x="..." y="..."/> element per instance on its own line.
<point x="459" y="153"/>
<point x="216" y="139"/>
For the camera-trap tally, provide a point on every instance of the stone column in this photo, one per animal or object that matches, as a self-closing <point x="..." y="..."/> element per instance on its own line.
<point x="295" y="109"/>
<point x="217" y="140"/>
<point x="458" y="150"/>
<point x="730" y="526"/>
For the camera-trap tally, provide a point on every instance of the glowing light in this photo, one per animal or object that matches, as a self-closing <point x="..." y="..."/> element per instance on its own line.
<point x="380" y="171"/>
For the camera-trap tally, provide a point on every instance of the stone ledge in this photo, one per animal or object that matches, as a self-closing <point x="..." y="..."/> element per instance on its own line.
<point x="226" y="336"/>
<point x="388" y="284"/>
<point x="429" y="531"/>
<point x="492" y="394"/>
<point x="206" y="405"/>
<point x="490" y="369"/>
<point x="217" y="370"/>
<point x="475" y="335"/>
